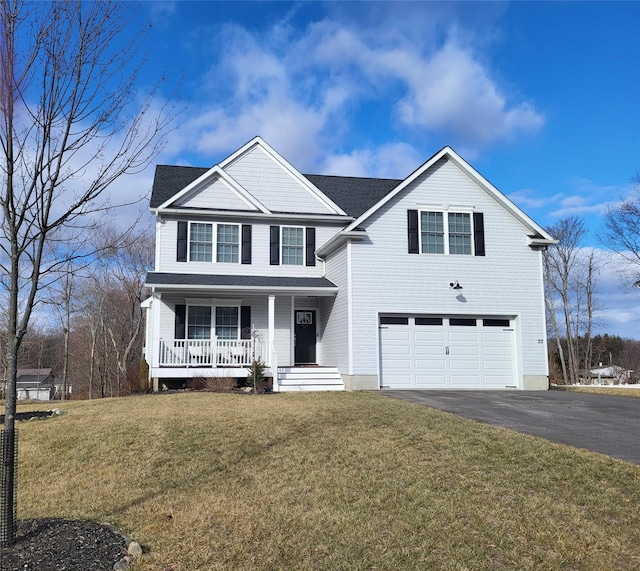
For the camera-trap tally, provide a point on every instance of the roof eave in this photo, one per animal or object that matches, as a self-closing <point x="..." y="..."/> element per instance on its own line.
<point x="313" y="290"/>
<point x="251" y="214"/>
<point x="336" y="241"/>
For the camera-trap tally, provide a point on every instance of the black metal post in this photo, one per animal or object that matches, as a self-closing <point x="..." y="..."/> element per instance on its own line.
<point x="8" y="481"/>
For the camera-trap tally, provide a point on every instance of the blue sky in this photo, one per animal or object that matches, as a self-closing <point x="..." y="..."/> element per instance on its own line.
<point x="543" y="98"/>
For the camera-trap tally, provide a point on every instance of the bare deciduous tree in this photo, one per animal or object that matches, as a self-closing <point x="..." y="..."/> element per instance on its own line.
<point x="621" y="232"/>
<point x="570" y="278"/>
<point x="72" y="123"/>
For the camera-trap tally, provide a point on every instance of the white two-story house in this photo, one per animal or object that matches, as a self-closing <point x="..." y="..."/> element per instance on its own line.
<point x="431" y="282"/>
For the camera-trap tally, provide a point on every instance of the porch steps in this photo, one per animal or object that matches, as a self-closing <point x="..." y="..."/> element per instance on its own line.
<point x="295" y="379"/>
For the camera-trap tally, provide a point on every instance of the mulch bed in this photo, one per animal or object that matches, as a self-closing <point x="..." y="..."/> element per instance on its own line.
<point x="60" y="544"/>
<point x="63" y="545"/>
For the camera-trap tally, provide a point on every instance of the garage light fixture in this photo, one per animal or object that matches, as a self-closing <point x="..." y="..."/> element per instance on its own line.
<point x="455" y="285"/>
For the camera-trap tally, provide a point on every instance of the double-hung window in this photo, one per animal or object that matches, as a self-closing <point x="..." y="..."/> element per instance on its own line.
<point x="432" y="232"/>
<point x="446" y="233"/>
<point x="228" y="243"/>
<point x="460" y="233"/>
<point x="292" y="246"/>
<point x="200" y="242"/>
<point x="199" y="322"/>
<point x="227" y="322"/>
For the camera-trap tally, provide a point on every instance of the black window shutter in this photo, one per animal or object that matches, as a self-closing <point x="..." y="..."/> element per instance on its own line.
<point x="275" y="245"/>
<point x="246" y="243"/>
<point x="245" y="322"/>
<point x="182" y="241"/>
<point x="478" y="233"/>
<point x="412" y="225"/>
<point x="311" y="247"/>
<point x="181" y="318"/>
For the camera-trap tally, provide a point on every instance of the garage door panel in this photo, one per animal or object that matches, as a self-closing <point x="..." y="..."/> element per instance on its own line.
<point x="464" y="365"/>
<point x="423" y="381"/>
<point x="429" y="336"/>
<point x="464" y="351"/>
<point x="456" y="336"/>
<point x="430" y="365"/>
<point x="429" y="351"/>
<point x="465" y="380"/>
<point x="499" y="337"/>
<point x="497" y="352"/>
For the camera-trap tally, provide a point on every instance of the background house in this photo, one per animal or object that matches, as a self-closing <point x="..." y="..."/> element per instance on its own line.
<point x="35" y="384"/>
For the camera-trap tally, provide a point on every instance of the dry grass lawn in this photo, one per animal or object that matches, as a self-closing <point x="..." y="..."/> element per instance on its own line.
<point x="331" y="481"/>
<point x="615" y="391"/>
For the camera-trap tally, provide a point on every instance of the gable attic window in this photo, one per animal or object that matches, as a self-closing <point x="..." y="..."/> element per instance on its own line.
<point x="449" y="233"/>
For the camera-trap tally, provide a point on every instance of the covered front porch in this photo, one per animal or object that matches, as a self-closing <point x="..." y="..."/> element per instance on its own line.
<point x="218" y="332"/>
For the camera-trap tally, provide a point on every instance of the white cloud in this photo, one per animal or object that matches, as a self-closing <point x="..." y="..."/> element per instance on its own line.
<point x="302" y="90"/>
<point x="530" y="199"/>
<point x="394" y="160"/>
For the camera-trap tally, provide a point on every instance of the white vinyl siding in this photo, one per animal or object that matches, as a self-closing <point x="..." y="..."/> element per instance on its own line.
<point x="273" y="186"/>
<point x="215" y="194"/>
<point x="387" y="279"/>
<point x="334" y="314"/>
<point x="167" y="233"/>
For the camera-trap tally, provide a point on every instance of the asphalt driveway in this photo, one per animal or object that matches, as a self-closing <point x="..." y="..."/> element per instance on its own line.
<point x="601" y="423"/>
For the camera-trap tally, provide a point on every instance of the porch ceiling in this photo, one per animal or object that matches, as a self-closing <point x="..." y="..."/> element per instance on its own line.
<point x="263" y="284"/>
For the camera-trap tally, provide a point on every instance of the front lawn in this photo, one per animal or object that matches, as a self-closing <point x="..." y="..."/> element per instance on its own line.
<point x="326" y="481"/>
<point x="618" y="391"/>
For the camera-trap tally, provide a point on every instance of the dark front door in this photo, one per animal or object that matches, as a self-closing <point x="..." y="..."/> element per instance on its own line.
<point x="305" y="336"/>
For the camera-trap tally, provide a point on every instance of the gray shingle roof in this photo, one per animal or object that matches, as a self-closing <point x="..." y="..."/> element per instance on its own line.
<point x="159" y="278"/>
<point x="170" y="180"/>
<point x="354" y="195"/>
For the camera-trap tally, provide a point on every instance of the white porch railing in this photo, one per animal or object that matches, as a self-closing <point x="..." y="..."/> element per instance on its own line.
<point x="209" y="352"/>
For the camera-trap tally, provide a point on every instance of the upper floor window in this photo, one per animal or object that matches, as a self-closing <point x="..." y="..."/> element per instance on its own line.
<point x="228" y="243"/>
<point x="460" y="233"/>
<point x="450" y="234"/>
<point x="200" y="242"/>
<point x="292" y="246"/>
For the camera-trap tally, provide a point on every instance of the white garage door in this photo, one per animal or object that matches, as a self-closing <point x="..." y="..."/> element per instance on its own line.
<point x="423" y="352"/>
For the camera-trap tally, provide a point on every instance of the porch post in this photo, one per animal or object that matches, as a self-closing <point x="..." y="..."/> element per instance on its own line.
<point x="155" y="328"/>
<point x="272" y="345"/>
